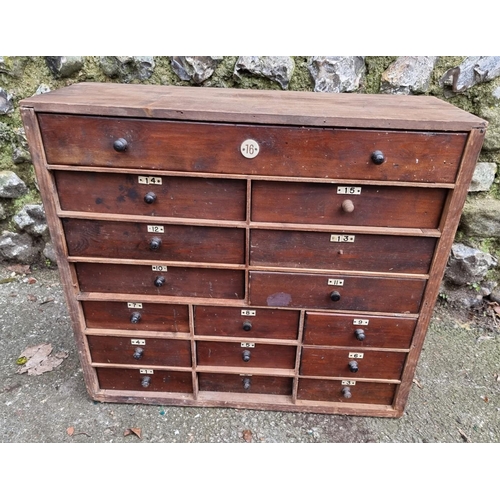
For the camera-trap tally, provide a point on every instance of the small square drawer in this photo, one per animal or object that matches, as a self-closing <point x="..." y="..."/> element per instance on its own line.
<point x="247" y="384"/>
<point x="139" y="350"/>
<point x="345" y="252"/>
<point x="136" y="316"/>
<point x="244" y="322"/>
<point x="175" y="281"/>
<point x="245" y="354"/>
<point x="130" y="379"/>
<point x="128" y="240"/>
<point x="284" y="151"/>
<point x="346" y="391"/>
<point x="329" y="204"/>
<point x="182" y="197"/>
<point x="340" y="292"/>
<point x="352" y="363"/>
<point x="358" y="331"/>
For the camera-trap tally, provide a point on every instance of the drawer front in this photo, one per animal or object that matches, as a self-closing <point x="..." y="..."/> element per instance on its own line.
<point x="234" y="354"/>
<point x="124" y="379"/>
<point x="183" y="197"/>
<point x="252" y="323"/>
<point x="283" y="151"/>
<point x="358" y="252"/>
<point x="147" y="317"/>
<point x="247" y="384"/>
<point x="380" y="206"/>
<point x="296" y="290"/>
<point x="128" y="240"/>
<point x="334" y="391"/>
<point x="177" y="281"/>
<point x="348" y="363"/>
<point x="139" y="351"/>
<point x="345" y="330"/>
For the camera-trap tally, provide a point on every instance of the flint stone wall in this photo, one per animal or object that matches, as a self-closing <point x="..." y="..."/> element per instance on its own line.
<point x="469" y="82"/>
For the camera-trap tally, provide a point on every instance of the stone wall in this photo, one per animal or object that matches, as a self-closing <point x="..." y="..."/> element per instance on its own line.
<point x="471" y="83"/>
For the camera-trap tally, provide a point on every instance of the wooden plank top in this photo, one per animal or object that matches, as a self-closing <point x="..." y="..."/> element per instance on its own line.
<point x="256" y="106"/>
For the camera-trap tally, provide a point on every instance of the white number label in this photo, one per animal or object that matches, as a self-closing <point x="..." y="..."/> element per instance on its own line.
<point x="342" y="238"/>
<point x="137" y="341"/>
<point x="156" y="229"/>
<point x="360" y="322"/>
<point x="348" y="382"/>
<point x="348" y="190"/>
<point x="248" y="344"/>
<point x="248" y="312"/>
<point x="143" y="371"/>
<point x="134" y="305"/>
<point x="336" y="282"/>
<point x="159" y="267"/>
<point x="249" y="148"/>
<point x="356" y="355"/>
<point x="143" y="179"/>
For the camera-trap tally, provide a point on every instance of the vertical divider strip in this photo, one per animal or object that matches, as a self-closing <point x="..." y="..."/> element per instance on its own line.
<point x="247" y="240"/>
<point x="298" y="355"/>
<point x="196" y="387"/>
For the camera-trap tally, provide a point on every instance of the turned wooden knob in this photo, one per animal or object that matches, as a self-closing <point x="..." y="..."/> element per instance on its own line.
<point x="146" y="381"/>
<point x="120" y="145"/>
<point x="135" y="317"/>
<point x="348" y="206"/>
<point x="346" y="392"/>
<point x="378" y="157"/>
<point x="246" y="355"/>
<point x="353" y="366"/>
<point x="247" y="383"/>
<point x="150" y="198"/>
<point x="138" y="353"/>
<point x="155" y="243"/>
<point x="360" y="334"/>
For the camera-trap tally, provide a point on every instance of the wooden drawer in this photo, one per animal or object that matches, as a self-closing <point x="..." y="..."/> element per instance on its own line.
<point x="316" y="250"/>
<point x="248" y="384"/>
<point x="139" y="351"/>
<point x="182" y="197"/>
<point x="178" y="281"/>
<point x="128" y="240"/>
<point x="347" y="363"/>
<point x="149" y="317"/>
<point x="230" y="322"/>
<point x="284" y="151"/>
<point x="233" y="354"/>
<point x="126" y="379"/>
<point x="342" y="330"/>
<point x="358" y="293"/>
<point x="334" y="391"/>
<point x="380" y="206"/>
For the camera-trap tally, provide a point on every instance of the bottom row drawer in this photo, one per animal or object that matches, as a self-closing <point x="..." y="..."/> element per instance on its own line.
<point x="248" y="384"/>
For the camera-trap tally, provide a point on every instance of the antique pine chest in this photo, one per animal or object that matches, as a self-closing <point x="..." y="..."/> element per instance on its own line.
<point x="250" y="249"/>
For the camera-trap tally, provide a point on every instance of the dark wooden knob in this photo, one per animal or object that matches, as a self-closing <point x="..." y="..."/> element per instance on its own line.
<point x="135" y="317"/>
<point x="247" y="383"/>
<point x="348" y="206"/>
<point x="346" y="392"/>
<point x="247" y="326"/>
<point x="378" y="157"/>
<point x="155" y="243"/>
<point x="138" y="353"/>
<point x="159" y="281"/>
<point x="353" y="366"/>
<point x="150" y="198"/>
<point x="246" y="356"/>
<point x="120" y="145"/>
<point x="145" y="381"/>
<point x="335" y="296"/>
<point x="360" y="334"/>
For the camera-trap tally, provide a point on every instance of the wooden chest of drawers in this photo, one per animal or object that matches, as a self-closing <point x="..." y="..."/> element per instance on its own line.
<point x="251" y="249"/>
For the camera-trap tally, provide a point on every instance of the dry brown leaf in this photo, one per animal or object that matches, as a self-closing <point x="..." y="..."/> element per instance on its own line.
<point x="133" y="430"/>
<point x="40" y="359"/>
<point x="247" y="436"/>
<point x="19" y="269"/>
<point x="32" y="281"/>
<point x="31" y="298"/>
<point x="70" y="431"/>
<point x="497" y="310"/>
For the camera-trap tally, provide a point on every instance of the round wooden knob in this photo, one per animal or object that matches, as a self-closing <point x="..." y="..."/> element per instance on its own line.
<point x="150" y="198"/>
<point x="135" y="317"/>
<point x="120" y="145"/>
<point x="335" y="296"/>
<point x="346" y="392"/>
<point x="353" y="366"/>
<point x="145" y="381"/>
<point x="247" y="326"/>
<point x="247" y="383"/>
<point x="348" y="206"/>
<point x="138" y="353"/>
<point x="360" y="334"/>
<point x="246" y="356"/>
<point x="378" y="157"/>
<point x="159" y="281"/>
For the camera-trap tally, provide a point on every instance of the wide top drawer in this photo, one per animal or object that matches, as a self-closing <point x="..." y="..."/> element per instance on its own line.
<point x="273" y="150"/>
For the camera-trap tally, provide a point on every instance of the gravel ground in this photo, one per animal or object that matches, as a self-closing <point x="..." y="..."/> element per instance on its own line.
<point x="455" y="397"/>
